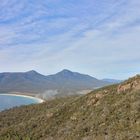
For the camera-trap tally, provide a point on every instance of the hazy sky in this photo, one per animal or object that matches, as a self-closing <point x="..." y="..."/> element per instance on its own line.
<point x="96" y="37"/>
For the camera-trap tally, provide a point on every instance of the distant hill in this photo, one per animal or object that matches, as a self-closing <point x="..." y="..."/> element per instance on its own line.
<point x="112" y="80"/>
<point x="109" y="113"/>
<point x="73" y="80"/>
<point x="34" y="82"/>
<point x="23" y="82"/>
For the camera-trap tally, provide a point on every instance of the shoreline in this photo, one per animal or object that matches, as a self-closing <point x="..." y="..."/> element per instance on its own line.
<point x="26" y="96"/>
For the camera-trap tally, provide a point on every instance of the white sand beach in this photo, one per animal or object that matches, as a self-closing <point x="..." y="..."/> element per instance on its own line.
<point x="26" y="96"/>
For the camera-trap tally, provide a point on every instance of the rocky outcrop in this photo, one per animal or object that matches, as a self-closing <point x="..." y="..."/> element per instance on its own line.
<point x="131" y="84"/>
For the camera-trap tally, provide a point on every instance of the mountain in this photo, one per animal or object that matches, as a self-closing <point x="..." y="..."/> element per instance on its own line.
<point x="33" y="82"/>
<point x="30" y="81"/>
<point x="73" y="80"/>
<point x="109" y="113"/>
<point x="112" y="80"/>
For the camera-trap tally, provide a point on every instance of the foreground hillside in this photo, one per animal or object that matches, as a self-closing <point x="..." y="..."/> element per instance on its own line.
<point x="110" y="113"/>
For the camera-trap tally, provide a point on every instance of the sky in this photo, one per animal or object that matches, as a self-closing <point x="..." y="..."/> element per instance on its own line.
<point x="96" y="37"/>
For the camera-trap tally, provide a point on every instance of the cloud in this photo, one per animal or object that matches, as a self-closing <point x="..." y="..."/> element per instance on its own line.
<point x="96" y="37"/>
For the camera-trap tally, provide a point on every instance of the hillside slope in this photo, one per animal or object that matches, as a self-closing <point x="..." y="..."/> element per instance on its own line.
<point x="110" y="113"/>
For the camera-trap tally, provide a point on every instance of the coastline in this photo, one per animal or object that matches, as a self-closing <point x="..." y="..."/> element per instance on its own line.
<point x="22" y="95"/>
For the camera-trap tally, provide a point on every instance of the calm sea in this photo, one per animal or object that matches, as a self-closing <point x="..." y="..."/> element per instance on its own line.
<point x="8" y="101"/>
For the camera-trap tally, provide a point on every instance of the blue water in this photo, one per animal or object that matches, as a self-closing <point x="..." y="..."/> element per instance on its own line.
<point x="8" y="101"/>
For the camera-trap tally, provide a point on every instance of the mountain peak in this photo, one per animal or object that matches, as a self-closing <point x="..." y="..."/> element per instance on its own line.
<point x="32" y="72"/>
<point x="66" y="71"/>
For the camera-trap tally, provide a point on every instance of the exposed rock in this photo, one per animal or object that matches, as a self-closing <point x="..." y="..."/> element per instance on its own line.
<point x="131" y="84"/>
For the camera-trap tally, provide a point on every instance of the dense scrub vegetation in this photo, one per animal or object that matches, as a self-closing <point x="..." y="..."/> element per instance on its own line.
<point x="110" y="113"/>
